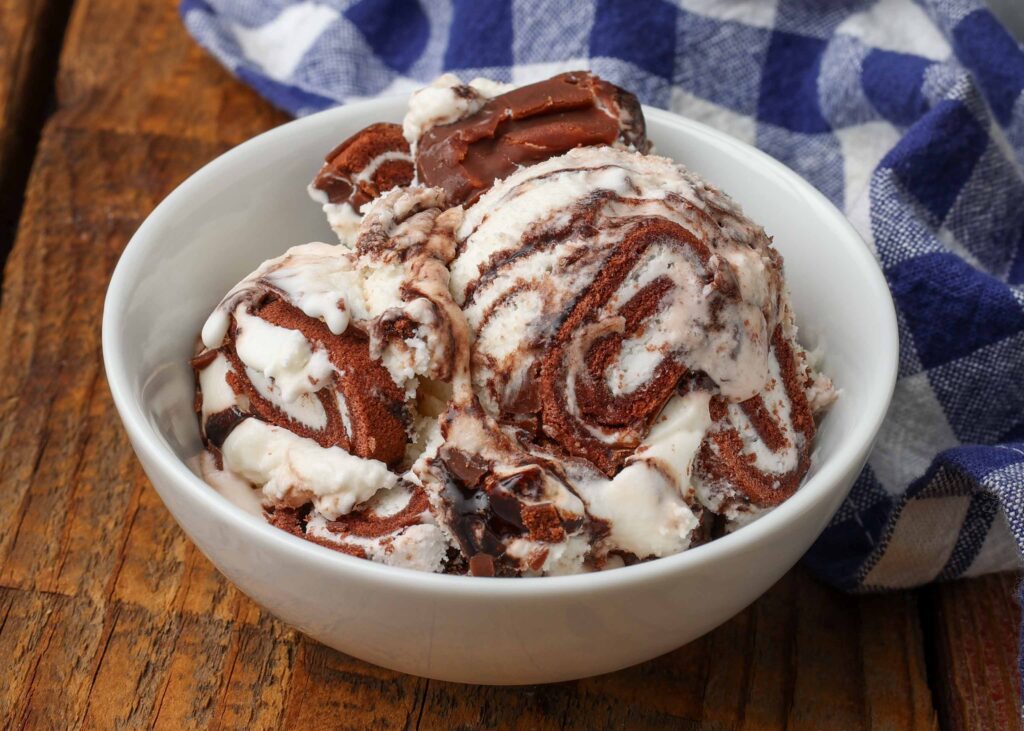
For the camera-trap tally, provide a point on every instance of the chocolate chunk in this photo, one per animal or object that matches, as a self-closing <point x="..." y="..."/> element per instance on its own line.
<point x="543" y="523"/>
<point x="481" y="565"/>
<point x="220" y="425"/>
<point x="507" y="515"/>
<point x="526" y="484"/>
<point x="527" y="399"/>
<point x="468" y="468"/>
<point x="525" y="126"/>
<point x="203" y="359"/>
<point x="471" y="518"/>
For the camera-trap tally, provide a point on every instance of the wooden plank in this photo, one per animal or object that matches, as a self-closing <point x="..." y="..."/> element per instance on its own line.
<point x="893" y="662"/>
<point x="69" y="474"/>
<point x="55" y="695"/>
<point x="194" y="674"/>
<point x="131" y="668"/>
<point x="974" y="625"/>
<point x="110" y="616"/>
<point x="23" y="628"/>
<point x="801" y="657"/>
<point x="30" y="35"/>
<point x="173" y="88"/>
<point x="107" y="615"/>
<point x="333" y="690"/>
<point x="257" y="677"/>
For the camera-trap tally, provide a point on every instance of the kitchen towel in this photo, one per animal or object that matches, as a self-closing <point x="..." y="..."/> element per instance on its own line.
<point x="908" y="115"/>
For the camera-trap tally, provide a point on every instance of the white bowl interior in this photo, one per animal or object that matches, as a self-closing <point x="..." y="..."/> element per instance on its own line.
<point x="251" y="204"/>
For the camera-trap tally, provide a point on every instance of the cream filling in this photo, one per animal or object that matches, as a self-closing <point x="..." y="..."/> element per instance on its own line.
<point x="284" y="356"/>
<point x="380" y="287"/>
<point x="497" y="222"/>
<point x="227" y="483"/>
<point x="344" y="220"/>
<point x="305" y="409"/>
<point x="439" y="104"/>
<point x="649" y="502"/>
<point x="319" y="279"/>
<point x="213" y="385"/>
<point x="342" y="217"/>
<point x="728" y="502"/>
<point x="293" y="470"/>
<point x="562" y="558"/>
<point x="777" y="403"/>
<point x="370" y="170"/>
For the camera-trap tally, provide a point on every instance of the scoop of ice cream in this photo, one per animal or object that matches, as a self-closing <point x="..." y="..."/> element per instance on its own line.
<point x="625" y="314"/>
<point x="619" y="274"/>
<point x="464" y="136"/>
<point x="295" y="408"/>
<point x="309" y="368"/>
<point x="370" y="162"/>
<point x="485" y="139"/>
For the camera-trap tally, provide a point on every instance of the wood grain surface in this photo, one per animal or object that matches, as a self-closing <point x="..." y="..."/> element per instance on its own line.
<point x="975" y="625"/>
<point x="109" y="617"/>
<point x="30" y="31"/>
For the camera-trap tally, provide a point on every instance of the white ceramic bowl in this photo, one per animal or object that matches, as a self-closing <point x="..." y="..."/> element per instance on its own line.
<point x="251" y="204"/>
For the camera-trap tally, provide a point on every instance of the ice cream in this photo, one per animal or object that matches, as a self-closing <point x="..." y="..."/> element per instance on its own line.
<point x="544" y="351"/>
<point x="462" y="137"/>
<point x="372" y="161"/>
<point x="629" y="327"/>
<point x="310" y="366"/>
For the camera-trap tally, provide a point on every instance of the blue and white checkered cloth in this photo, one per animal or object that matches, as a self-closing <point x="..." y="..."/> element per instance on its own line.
<point x="908" y="116"/>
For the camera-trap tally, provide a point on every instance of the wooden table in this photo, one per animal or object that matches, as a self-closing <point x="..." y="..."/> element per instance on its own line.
<point x="109" y="616"/>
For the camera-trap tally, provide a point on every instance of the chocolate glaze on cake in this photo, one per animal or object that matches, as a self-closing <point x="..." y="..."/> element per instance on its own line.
<point x="525" y="126"/>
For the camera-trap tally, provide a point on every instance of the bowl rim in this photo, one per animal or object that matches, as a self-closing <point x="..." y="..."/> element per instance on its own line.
<point x="152" y="449"/>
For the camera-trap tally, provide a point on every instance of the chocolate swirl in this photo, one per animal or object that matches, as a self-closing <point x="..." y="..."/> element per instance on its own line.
<point x="363" y="409"/>
<point x="758" y="450"/>
<point x="371" y="162"/>
<point x="395" y="528"/>
<point x="593" y="314"/>
<point x="583" y="408"/>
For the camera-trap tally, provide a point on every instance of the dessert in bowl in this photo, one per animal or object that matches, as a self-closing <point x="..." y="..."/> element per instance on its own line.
<point x="482" y="440"/>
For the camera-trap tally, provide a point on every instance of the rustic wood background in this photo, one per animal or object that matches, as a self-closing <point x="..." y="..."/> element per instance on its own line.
<point x="110" y="617"/>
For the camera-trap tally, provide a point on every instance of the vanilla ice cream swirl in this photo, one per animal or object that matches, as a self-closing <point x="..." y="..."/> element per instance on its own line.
<point x="600" y="283"/>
